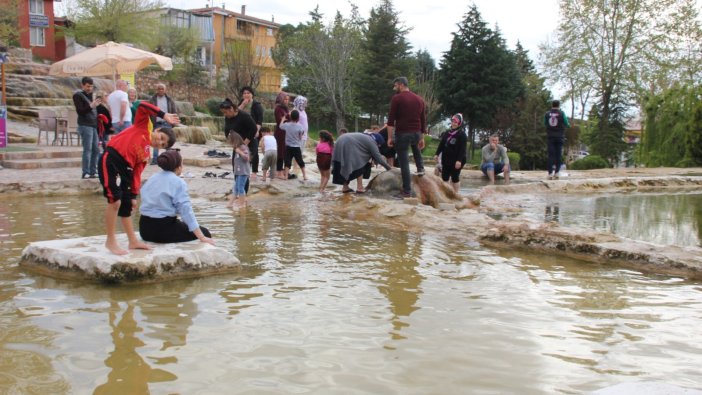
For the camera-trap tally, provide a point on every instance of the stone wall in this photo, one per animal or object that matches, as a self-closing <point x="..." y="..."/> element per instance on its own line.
<point x="146" y="81"/>
<point x="198" y="95"/>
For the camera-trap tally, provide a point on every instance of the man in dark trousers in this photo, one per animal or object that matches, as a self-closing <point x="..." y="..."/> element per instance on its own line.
<point x="556" y="123"/>
<point x="87" y="126"/>
<point x="407" y="125"/>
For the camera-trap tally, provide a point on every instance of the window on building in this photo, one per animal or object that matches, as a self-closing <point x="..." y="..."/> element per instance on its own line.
<point x="181" y="19"/>
<point x="269" y="32"/>
<point x="240" y="26"/>
<point x="270" y="52"/>
<point x="258" y="50"/>
<point x="36" y="36"/>
<point x="36" y="7"/>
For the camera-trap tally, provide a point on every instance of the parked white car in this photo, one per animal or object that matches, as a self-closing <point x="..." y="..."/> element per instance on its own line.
<point x="581" y="154"/>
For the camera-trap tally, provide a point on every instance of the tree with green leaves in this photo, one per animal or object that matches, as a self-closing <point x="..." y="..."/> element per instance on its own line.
<point x="478" y="76"/>
<point x="673" y="131"/>
<point x="626" y="49"/>
<point x="9" y="30"/>
<point x="99" y="21"/>
<point x="385" y="56"/>
<point x="181" y="45"/>
<point x="322" y="58"/>
<point x="424" y="84"/>
<point x="527" y="134"/>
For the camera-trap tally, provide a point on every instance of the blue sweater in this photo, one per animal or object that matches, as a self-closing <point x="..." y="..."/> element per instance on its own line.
<point x="166" y="195"/>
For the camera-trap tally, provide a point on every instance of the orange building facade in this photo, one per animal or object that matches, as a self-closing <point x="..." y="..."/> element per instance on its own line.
<point x="232" y="30"/>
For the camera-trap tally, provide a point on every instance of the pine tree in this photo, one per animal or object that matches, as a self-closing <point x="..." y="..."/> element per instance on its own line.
<point x="478" y="75"/>
<point x="424" y="83"/>
<point x="386" y="55"/>
<point x="528" y="136"/>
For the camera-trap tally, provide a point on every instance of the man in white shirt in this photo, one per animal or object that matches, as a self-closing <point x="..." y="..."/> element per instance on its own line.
<point x="120" y="111"/>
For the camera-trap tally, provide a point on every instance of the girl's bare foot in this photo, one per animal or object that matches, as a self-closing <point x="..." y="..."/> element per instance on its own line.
<point x="114" y="248"/>
<point x="139" y="245"/>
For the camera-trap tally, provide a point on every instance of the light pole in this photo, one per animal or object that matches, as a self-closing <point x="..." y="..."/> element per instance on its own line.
<point x="3" y="60"/>
<point x="3" y="101"/>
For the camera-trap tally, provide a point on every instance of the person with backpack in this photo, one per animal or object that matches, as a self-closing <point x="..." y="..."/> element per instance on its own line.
<point x="556" y="123"/>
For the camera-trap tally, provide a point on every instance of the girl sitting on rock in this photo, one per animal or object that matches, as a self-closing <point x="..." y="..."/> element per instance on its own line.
<point x="163" y="198"/>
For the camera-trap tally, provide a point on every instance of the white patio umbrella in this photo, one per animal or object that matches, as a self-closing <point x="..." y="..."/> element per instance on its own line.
<point x="109" y="59"/>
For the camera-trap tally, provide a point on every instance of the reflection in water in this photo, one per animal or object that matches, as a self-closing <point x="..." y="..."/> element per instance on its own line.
<point x="129" y="374"/>
<point x="400" y="281"/>
<point x="325" y="305"/>
<point x="553" y="213"/>
<point x="661" y="219"/>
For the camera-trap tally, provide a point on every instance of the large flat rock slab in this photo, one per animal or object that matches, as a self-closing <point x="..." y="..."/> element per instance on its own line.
<point x="87" y="258"/>
<point x="597" y="247"/>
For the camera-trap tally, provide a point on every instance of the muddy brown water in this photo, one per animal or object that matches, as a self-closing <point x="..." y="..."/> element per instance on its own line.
<point x="326" y="306"/>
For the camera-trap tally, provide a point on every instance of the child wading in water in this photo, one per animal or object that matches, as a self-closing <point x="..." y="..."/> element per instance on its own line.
<point x="242" y="170"/>
<point x="269" y="147"/>
<point x="325" y="147"/>
<point x="293" y="143"/>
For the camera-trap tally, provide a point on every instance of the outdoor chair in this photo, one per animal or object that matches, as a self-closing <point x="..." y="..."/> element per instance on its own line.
<point x="47" y="123"/>
<point x="62" y="126"/>
<point x="72" y="126"/>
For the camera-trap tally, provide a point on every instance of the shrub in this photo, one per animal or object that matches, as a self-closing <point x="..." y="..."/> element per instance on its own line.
<point x="268" y="115"/>
<point x="590" y="162"/>
<point x="212" y="105"/>
<point x="514" y="159"/>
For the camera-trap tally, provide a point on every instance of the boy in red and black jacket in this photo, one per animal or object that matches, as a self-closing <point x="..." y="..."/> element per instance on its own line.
<point x="126" y="155"/>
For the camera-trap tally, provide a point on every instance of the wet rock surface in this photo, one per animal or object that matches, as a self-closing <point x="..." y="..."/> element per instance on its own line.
<point x="87" y="259"/>
<point x="429" y="189"/>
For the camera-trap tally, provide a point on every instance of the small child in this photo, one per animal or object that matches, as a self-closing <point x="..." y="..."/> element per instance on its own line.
<point x="269" y="148"/>
<point x="125" y="157"/>
<point x="241" y="168"/>
<point x="324" y="149"/>
<point x="294" y="132"/>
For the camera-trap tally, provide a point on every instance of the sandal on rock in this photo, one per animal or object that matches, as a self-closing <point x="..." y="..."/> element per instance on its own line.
<point x="360" y="192"/>
<point x="347" y="190"/>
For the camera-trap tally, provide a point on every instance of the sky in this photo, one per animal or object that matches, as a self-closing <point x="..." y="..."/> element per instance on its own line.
<point x="530" y="22"/>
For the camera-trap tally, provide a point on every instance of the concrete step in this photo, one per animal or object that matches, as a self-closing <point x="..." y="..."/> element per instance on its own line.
<point x="48" y="163"/>
<point x="36" y="155"/>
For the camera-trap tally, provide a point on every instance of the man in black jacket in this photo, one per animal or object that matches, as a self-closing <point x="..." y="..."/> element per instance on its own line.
<point x="87" y="126"/>
<point x="556" y="123"/>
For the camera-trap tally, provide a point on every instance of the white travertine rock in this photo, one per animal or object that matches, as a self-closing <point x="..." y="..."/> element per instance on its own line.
<point x="87" y="258"/>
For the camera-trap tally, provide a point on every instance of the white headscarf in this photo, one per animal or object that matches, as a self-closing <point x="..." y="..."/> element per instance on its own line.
<point x="300" y="103"/>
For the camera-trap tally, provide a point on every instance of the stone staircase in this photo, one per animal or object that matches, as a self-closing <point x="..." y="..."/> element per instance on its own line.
<point x="24" y="160"/>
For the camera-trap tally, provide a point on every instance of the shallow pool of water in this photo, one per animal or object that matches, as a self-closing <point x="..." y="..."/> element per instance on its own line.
<point x="674" y="219"/>
<point x="325" y="305"/>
